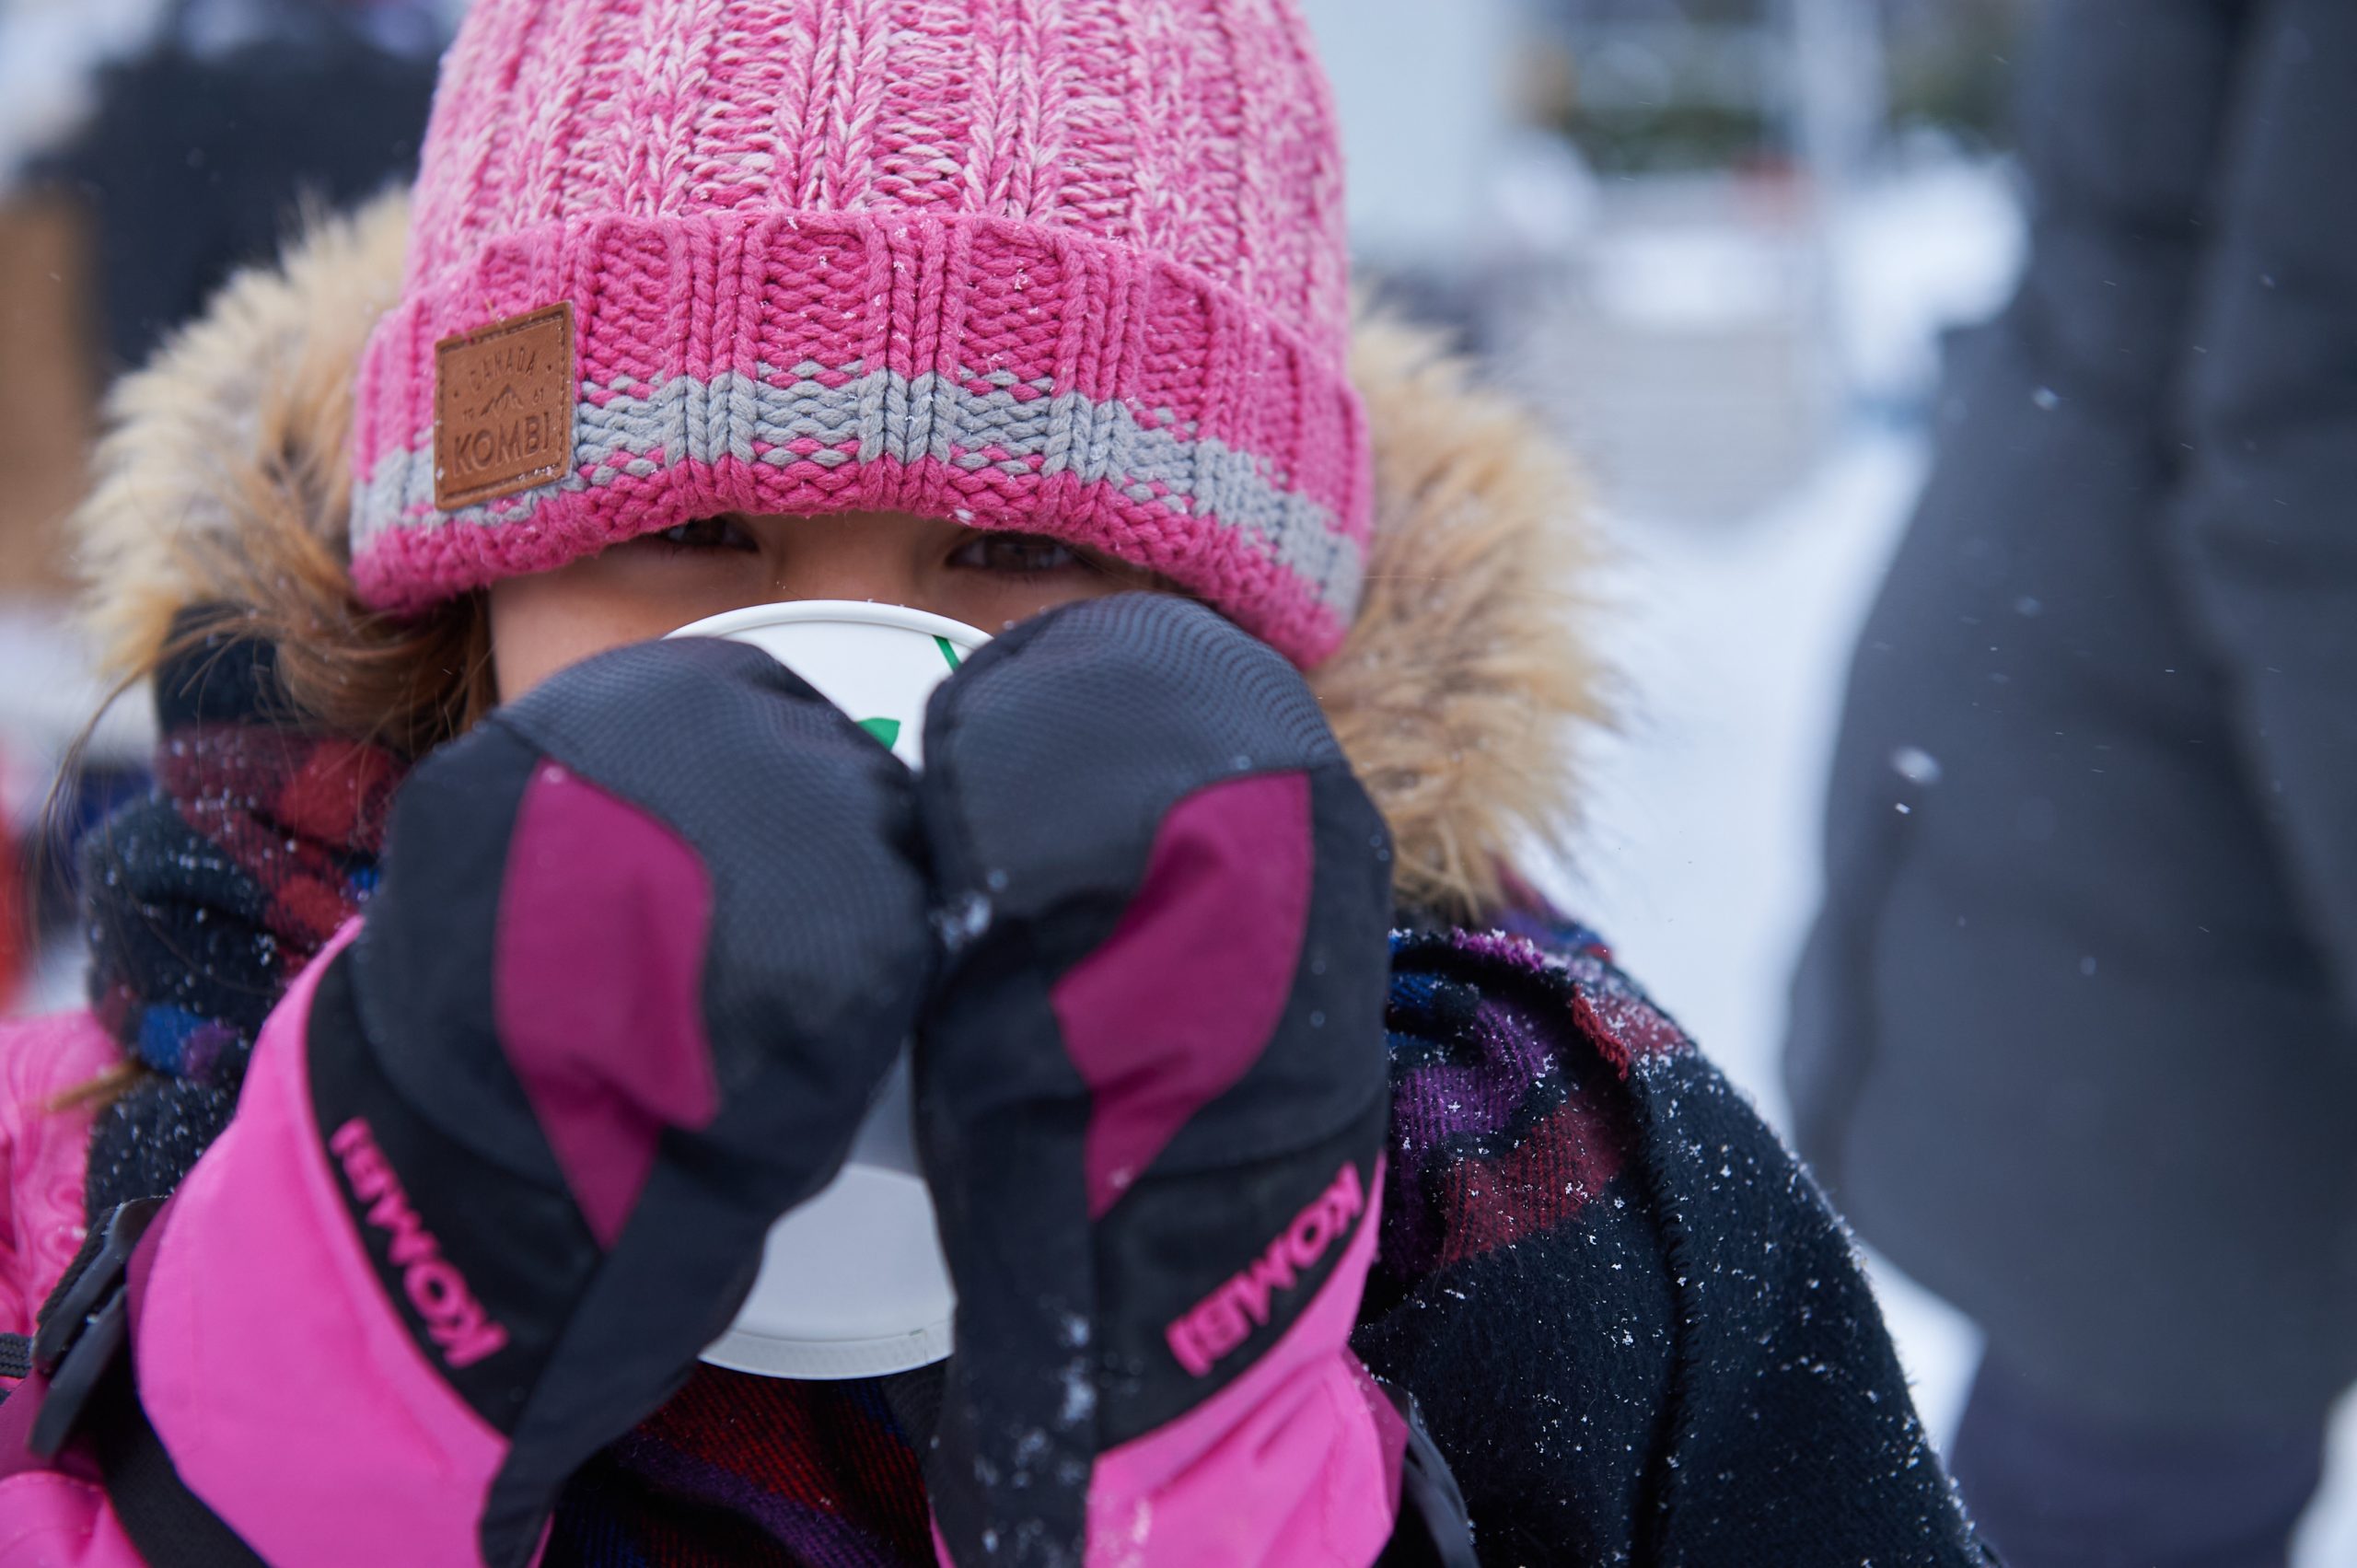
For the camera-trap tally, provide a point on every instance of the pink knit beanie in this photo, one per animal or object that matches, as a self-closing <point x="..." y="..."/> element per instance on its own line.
<point x="1070" y="266"/>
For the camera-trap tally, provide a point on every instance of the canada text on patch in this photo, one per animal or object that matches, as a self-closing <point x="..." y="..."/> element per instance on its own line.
<point x="503" y="407"/>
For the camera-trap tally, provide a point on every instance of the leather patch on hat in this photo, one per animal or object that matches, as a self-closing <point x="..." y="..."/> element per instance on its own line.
<point x="503" y="407"/>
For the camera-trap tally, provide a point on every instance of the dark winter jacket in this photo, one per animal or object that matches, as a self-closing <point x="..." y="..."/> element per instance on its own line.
<point x="2074" y="1040"/>
<point x="1634" y="1328"/>
<point x="193" y="166"/>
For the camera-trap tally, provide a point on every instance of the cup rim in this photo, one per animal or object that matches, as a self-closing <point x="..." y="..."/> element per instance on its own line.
<point x="835" y="611"/>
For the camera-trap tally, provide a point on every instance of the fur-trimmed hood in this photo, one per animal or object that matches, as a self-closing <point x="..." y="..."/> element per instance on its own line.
<point x="1457" y="695"/>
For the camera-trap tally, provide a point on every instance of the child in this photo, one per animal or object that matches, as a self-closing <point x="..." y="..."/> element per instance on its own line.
<point x="484" y="978"/>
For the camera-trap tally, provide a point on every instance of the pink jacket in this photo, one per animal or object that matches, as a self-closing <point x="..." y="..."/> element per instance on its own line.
<point x="42" y="1156"/>
<point x="255" y="1313"/>
<point x="46" y="1517"/>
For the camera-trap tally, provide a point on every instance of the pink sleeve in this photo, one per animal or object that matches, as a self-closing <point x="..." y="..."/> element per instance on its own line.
<point x="290" y="1397"/>
<point x="1293" y="1465"/>
<point x="49" y="1520"/>
<point x="44" y="1153"/>
<point x="53" y="1513"/>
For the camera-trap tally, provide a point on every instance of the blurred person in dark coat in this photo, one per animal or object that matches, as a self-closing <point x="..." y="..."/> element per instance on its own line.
<point x="200" y="150"/>
<point x="2074" y="1039"/>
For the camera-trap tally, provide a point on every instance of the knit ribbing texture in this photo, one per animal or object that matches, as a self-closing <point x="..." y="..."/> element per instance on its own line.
<point x="1075" y="267"/>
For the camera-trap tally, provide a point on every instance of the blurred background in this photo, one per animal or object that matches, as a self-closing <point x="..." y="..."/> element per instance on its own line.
<point x="1718" y="241"/>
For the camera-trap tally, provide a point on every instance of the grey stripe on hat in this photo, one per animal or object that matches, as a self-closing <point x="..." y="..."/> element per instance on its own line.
<point x="911" y="419"/>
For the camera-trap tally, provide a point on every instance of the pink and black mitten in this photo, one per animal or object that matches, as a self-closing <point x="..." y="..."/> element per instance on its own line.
<point x="1152" y="1099"/>
<point x="647" y="941"/>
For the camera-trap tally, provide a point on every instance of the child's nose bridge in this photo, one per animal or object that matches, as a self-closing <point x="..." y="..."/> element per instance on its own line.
<point x="862" y="556"/>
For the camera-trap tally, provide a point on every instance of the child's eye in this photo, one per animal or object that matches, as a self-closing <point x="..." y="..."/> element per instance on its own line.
<point x="704" y="533"/>
<point x="1013" y="552"/>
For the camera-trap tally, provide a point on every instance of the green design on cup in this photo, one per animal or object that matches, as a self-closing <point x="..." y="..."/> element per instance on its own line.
<point x="948" y="649"/>
<point x="886" y="730"/>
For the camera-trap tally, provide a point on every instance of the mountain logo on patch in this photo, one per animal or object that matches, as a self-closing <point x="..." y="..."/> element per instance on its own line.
<point x="502" y="408"/>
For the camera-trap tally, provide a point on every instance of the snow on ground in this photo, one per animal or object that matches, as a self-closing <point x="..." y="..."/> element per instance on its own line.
<point x="1699" y="858"/>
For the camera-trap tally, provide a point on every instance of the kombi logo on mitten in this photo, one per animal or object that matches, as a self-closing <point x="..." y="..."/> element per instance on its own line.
<point x="503" y="407"/>
<point x="439" y="1294"/>
<point x="1225" y="1319"/>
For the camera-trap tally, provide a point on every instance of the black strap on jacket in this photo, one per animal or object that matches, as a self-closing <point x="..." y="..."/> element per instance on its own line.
<point x="84" y="1323"/>
<point x="80" y="1351"/>
<point x="1434" y="1528"/>
<point x="171" y="1526"/>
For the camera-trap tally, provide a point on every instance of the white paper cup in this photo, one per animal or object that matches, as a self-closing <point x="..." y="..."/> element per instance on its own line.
<point x="852" y="1284"/>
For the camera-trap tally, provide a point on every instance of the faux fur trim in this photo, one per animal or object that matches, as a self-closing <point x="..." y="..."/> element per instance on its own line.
<point x="1457" y="695"/>
<point x="1464" y="685"/>
<point x="235" y="431"/>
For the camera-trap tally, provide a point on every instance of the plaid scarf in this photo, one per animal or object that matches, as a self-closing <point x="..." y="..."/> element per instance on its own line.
<point x="205" y="899"/>
<point x="762" y="1472"/>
